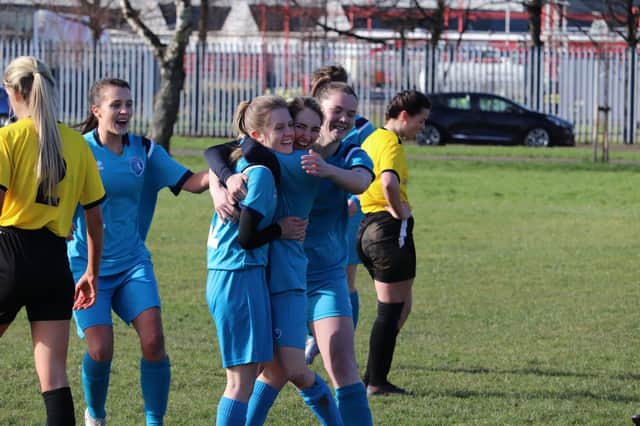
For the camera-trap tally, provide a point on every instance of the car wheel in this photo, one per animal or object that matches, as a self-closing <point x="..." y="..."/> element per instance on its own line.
<point x="537" y="137"/>
<point x="430" y="135"/>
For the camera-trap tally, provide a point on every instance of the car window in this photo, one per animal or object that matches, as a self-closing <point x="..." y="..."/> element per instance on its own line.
<point x="458" y="102"/>
<point x="492" y="104"/>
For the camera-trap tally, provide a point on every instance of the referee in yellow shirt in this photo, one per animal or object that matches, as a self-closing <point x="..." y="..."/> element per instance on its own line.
<point x="385" y="239"/>
<point x="46" y="170"/>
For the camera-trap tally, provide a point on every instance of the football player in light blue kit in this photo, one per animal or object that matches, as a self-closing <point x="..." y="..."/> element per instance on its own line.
<point x="128" y="165"/>
<point x="361" y="129"/>
<point x="238" y="252"/>
<point x="330" y="312"/>
<point x="287" y="277"/>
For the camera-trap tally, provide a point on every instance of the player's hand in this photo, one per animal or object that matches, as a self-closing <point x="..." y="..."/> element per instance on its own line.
<point x="314" y="164"/>
<point x="224" y="204"/>
<point x="352" y="206"/>
<point x="237" y="186"/>
<point x="404" y="213"/>
<point x="293" y="228"/>
<point x="86" y="292"/>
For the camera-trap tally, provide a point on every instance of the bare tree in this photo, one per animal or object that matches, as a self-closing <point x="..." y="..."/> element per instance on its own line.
<point x="170" y="58"/>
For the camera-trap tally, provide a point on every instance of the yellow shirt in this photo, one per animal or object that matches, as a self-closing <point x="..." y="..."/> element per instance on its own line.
<point x="387" y="152"/>
<point x="18" y="159"/>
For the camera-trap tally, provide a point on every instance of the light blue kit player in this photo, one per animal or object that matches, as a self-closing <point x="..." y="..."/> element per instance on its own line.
<point x="361" y="130"/>
<point x="324" y="243"/>
<point x="133" y="170"/>
<point x="287" y="272"/>
<point x="127" y="281"/>
<point x="237" y="292"/>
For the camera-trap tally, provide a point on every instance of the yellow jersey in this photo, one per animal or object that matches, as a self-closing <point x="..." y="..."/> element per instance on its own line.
<point x="387" y="153"/>
<point x="18" y="159"/>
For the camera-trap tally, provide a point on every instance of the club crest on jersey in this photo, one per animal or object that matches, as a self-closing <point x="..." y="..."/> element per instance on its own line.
<point x="137" y="166"/>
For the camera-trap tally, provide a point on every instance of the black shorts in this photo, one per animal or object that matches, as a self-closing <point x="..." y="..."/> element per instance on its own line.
<point x="385" y="246"/>
<point x="34" y="272"/>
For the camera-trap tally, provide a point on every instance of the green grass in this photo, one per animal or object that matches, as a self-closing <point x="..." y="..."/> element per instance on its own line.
<point x="525" y="305"/>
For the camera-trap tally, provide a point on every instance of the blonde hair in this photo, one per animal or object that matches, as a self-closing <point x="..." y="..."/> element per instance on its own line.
<point x="254" y="115"/>
<point x="32" y="79"/>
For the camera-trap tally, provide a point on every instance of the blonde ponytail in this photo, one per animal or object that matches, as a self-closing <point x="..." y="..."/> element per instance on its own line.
<point x="33" y="80"/>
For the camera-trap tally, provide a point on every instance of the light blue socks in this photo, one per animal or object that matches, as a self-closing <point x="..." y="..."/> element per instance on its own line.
<point x="318" y="397"/>
<point x="262" y="398"/>
<point x="155" y="378"/>
<point x="353" y="405"/>
<point x="95" y="381"/>
<point x="231" y="412"/>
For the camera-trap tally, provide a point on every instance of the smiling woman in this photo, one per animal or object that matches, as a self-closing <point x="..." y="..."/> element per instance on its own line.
<point x="385" y="237"/>
<point x="133" y="169"/>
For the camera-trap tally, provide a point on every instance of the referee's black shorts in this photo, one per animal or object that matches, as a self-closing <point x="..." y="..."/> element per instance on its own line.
<point x="385" y="246"/>
<point x="34" y="272"/>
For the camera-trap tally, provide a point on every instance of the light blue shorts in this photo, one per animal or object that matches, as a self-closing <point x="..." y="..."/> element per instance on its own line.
<point x="328" y="298"/>
<point x="128" y="293"/>
<point x="352" y="238"/>
<point x="239" y="304"/>
<point x="289" y="311"/>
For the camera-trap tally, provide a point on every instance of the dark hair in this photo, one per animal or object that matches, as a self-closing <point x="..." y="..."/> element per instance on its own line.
<point x="410" y="101"/>
<point x="299" y="103"/>
<point x="95" y="93"/>
<point x="332" y="72"/>
<point x="324" y="87"/>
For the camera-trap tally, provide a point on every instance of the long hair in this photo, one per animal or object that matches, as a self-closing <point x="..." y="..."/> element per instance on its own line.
<point x="95" y="95"/>
<point x="33" y="80"/>
<point x="254" y="116"/>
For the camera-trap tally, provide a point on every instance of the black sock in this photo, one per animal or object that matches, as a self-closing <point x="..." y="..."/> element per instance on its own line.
<point x="382" y="343"/>
<point x="59" y="405"/>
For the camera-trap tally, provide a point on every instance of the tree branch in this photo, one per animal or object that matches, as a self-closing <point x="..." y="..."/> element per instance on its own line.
<point x="133" y="19"/>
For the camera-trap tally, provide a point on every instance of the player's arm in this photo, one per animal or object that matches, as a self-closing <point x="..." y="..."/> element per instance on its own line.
<point x="391" y="190"/>
<point x="249" y="237"/>
<point x="217" y="158"/>
<point x="355" y="180"/>
<point x="87" y="286"/>
<point x="224" y="205"/>
<point x="197" y="182"/>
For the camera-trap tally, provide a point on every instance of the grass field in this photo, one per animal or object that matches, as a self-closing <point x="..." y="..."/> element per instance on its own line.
<point x="525" y="307"/>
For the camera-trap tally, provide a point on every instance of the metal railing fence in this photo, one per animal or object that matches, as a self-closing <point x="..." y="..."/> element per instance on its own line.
<point x="568" y="82"/>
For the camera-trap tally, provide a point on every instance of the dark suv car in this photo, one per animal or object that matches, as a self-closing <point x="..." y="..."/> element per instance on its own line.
<point x="469" y="117"/>
<point x="4" y="108"/>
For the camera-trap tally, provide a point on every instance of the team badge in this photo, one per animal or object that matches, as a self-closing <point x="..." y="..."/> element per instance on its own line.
<point x="137" y="166"/>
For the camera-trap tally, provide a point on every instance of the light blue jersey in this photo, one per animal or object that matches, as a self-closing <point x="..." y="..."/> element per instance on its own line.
<point x="124" y="178"/>
<point x="296" y="195"/>
<point x="361" y="131"/>
<point x="223" y="250"/>
<point x="324" y="243"/>
<point x="163" y="172"/>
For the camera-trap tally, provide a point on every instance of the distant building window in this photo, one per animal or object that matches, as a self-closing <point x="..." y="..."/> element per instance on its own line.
<point x="494" y="25"/>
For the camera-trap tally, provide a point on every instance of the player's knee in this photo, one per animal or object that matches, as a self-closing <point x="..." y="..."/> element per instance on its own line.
<point x="153" y="346"/>
<point x="101" y="351"/>
<point x="299" y="375"/>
